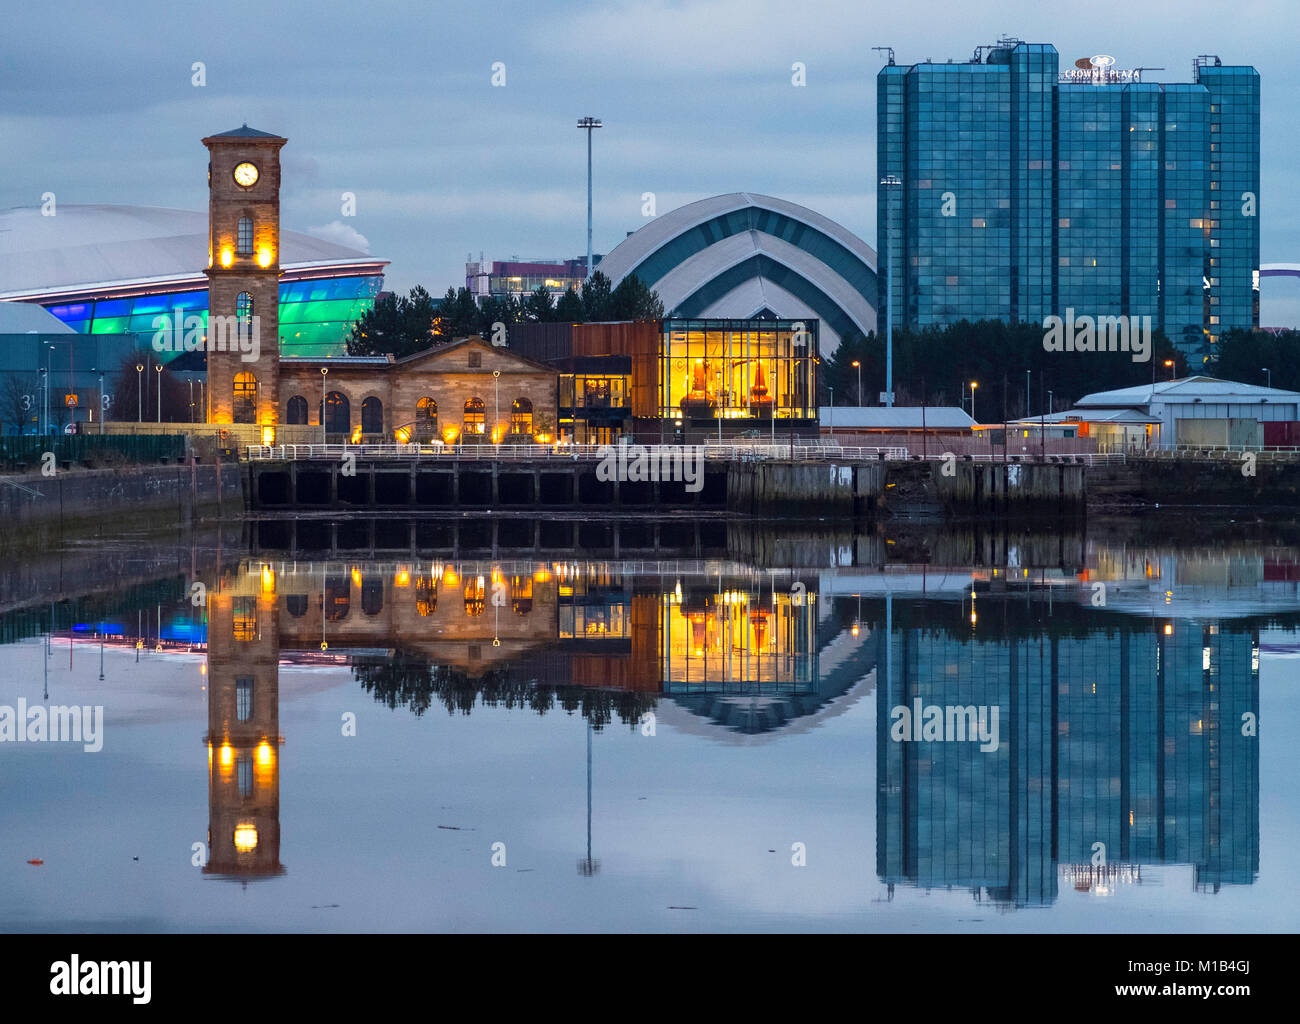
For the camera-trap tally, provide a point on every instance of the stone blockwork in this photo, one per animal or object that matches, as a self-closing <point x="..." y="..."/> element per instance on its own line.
<point x="251" y="268"/>
<point x="451" y="375"/>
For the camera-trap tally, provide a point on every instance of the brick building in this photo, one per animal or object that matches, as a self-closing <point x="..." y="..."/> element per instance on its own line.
<point x="466" y="391"/>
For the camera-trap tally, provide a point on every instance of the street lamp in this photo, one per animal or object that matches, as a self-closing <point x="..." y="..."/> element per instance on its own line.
<point x="139" y="392"/>
<point x="496" y="416"/>
<point x="158" y="370"/>
<point x="49" y="368"/>
<point x="102" y="410"/>
<point x="1270" y="375"/>
<point x="858" y="364"/>
<point x="973" y="385"/>
<point x="45" y="405"/>
<point x="191" y="382"/>
<point x="323" y="371"/>
<point x="1170" y="363"/>
<point x="889" y="181"/>
<point x="590" y="124"/>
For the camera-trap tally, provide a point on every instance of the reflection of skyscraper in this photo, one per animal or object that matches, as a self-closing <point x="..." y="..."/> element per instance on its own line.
<point x="1128" y="737"/>
<point x="244" y="730"/>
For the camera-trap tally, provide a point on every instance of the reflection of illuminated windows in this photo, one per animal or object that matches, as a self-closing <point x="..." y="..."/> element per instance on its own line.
<point x="245" y="619"/>
<point x="521" y="594"/>
<point x="426" y="596"/>
<point x="475" y="596"/>
<point x="594" y="621"/>
<point x="244" y="775"/>
<point x="244" y="698"/>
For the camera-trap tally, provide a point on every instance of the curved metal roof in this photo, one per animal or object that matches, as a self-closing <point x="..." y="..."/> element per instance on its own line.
<point x="101" y="246"/>
<point x="736" y="254"/>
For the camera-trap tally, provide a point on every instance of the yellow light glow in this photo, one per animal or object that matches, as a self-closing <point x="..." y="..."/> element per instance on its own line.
<point x="450" y="578"/>
<point x="268" y="580"/>
<point x="227" y="755"/>
<point x="402" y="434"/>
<point x="268" y="435"/>
<point x="356" y="435"/>
<point x="541" y="576"/>
<point x="402" y="578"/>
<point x="245" y="838"/>
<point x="264" y="257"/>
<point x="264" y="754"/>
<point x="1169" y="630"/>
<point x="449" y="434"/>
<point x="855" y="630"/>
<point x="227" y="257"/>
<point x="356" y="577"/>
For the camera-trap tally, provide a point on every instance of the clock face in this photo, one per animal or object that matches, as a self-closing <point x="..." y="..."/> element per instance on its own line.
<point x="246" y="174"/>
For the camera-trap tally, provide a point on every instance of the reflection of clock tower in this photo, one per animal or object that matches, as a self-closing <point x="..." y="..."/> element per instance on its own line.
<point x="243" y="275"/>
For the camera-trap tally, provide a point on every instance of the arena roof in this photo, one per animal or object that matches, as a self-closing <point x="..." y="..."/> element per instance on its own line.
<point x="742" y="254"/>
<point x="100" y="250"/>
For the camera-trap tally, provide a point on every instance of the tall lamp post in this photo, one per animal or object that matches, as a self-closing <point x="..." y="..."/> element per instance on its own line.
<point x="102" y="411"/>
<point x="1270" y="375"/>
<point x="49" y="371"/>
<point x="496" y="416"/>
<point x="858" y="364"/>
<point x="889" y="181"/>
<point x="139" y="392"/>
<point x="973" y="385"/>
<point x="1170" y="363"/>
<point x="323" y="371"/>
<point x="158" y="370"/>
<point x="590" y="124"/>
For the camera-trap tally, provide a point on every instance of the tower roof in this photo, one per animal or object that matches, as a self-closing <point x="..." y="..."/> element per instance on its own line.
<point x="244" y="132"/>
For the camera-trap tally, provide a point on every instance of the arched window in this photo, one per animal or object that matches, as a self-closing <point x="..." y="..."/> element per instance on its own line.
<point x="426" y="418"/>
<point x="521" y="416"/>
<point x="244" y="309"/>
<point x="296" y="605"/>
<point x="473" y="417"/>
<point x="372" y="416"/>
<point x="338" y="413"/>
<point x="296" y="411"/>
<point x="244" y="243"/>
<point x="245" y="404"/>
<point x="521" y="594"/>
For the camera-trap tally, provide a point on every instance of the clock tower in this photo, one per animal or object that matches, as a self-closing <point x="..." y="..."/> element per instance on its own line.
<point x="243" y="340"/>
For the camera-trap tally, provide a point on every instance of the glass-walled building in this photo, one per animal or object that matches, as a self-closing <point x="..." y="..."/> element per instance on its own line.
<point x="1013" y="190"/>
<point x="755" y="370"/>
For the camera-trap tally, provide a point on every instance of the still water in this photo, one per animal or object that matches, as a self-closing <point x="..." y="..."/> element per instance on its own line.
<point x="712" y="736"/>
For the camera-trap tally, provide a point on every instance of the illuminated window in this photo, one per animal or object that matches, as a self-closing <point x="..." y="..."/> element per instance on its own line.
<point x="475" y="596"/>
<point x="244" y="245"/>
<point x="244" y="624"/>
<point x="245" y="404"/>
<point x="426" y="596"/>
<point x="473" y="422"/>
<point x="521" y="416"/>
<point x="244" y="309"/>
<point x="426" y="418"/>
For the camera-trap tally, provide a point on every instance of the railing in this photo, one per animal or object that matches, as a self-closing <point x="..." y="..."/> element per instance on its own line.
<point x="566" y="453"/>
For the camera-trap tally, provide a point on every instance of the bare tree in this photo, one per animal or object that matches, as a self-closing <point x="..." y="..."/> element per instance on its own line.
<point x="18" y="400"/>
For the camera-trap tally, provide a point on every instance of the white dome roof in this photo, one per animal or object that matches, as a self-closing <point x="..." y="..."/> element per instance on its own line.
<point x="93" y="245"/>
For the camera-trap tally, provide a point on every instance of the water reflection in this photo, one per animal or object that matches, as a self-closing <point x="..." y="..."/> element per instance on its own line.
<point x="1124" y="678"/>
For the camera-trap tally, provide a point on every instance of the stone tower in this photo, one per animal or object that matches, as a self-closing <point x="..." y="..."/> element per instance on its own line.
<point x="243" y="341"/>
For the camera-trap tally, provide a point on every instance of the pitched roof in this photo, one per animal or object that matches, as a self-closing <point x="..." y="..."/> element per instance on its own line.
<point x="1185" y="389"/>
<point x="900" y="417"/>
<point x="245" y="132"/>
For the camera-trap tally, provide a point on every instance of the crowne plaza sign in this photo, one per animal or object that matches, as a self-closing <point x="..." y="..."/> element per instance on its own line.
<point x="1098" y="70"/>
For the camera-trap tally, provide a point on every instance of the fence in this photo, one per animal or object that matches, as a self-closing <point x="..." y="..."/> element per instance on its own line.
<point x="23" y="452"/>
<point x="565" y="453"/>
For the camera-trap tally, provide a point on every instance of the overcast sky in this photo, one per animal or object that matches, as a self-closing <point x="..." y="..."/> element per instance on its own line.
<point x="394" y="102"/>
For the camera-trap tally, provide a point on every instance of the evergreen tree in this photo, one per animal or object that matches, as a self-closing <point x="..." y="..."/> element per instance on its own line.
<point x="596" y="304"/>
<point x="632" y="300"/>
<point x="569" y="309"/>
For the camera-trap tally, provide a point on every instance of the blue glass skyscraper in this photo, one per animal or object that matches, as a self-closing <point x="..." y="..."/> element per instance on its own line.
<point x="1016" y="192"/>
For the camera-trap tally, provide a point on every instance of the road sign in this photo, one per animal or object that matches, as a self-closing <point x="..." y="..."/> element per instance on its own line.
<point x="70" y="401"/>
